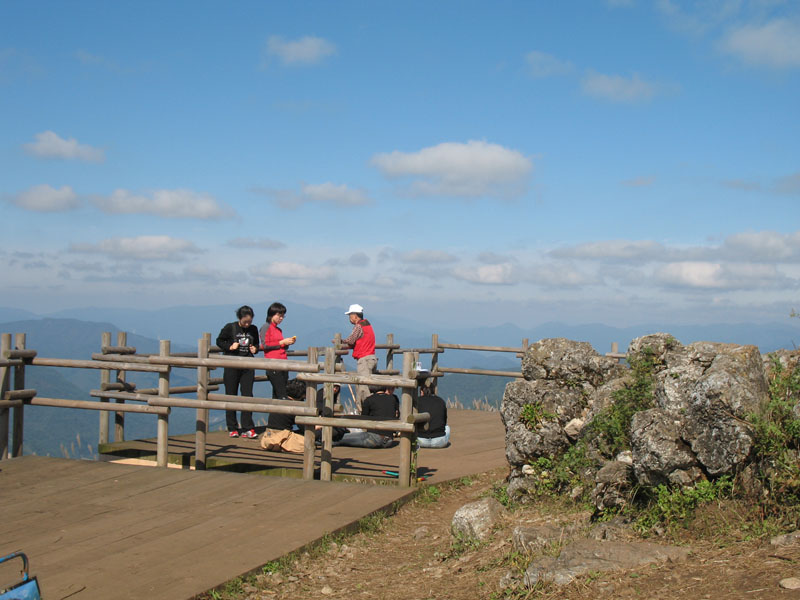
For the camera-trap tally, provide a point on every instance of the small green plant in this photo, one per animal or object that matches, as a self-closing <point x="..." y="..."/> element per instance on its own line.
<point x="534" y="413"/>
<point x="372" y="524"/>
<point x="500" y="493"/>
<point x="612" y="427"/>
<point x="462" y="544"/>
<point x="427" y="494"/>
<point x="674" y="506"/>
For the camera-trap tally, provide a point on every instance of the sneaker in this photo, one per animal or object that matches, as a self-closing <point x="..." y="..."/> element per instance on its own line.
<point x="250" y="434"/>
<point x="233" y="433"/>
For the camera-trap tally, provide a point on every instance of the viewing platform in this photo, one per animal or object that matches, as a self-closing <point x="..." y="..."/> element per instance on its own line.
<point x="477" y="445"/>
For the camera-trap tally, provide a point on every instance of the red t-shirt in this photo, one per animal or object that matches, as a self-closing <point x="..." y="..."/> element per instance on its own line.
<point x="273" y="337"/>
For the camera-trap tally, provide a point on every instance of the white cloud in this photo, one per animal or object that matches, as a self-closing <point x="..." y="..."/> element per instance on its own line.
<point x="427" y="257"/>
<point x="616" y="88"/>
<point x="742" y="185"/>
<point x="176" y="204"/>
<point x="774" y="44"/>
<point x="44" y="198"/>
<point x="711" y="275"/>
<point x="294" y="271"/>
<point x="614" y="250"/>
<point x="49" y="144"/>
<point x="252" y="242"/>
<point x="542" y="64"/>
<point x="789" y="184"/>
<point x="477" y="168"/>
<point x="323" y="193"/>
<point x="497" y="274"/>
<point x="357" y="259"/>
<point x="307" y="50"/>
<point x="145" y="247"/>
<point x="643" y="181"/>
<point x="768" y="246"/>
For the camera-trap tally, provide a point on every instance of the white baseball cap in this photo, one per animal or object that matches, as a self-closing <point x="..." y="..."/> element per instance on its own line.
<point x="355" y="308"/>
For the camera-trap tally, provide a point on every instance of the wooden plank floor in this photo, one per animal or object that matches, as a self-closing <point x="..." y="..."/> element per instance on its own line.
<point x="102" y="530"/>
<point x="477" y="445"/>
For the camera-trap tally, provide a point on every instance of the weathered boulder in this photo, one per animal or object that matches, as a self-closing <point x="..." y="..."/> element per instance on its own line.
<point x="584" y="556"/>
<point x="566" y="361"/>
<point x="530" y="539"/>
<point x="613" y="485"/>
<point x="476" y="519"/>
<point x="659" y="454"/>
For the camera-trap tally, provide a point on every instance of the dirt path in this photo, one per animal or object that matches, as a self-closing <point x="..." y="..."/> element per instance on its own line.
<point x="413" y="557"/>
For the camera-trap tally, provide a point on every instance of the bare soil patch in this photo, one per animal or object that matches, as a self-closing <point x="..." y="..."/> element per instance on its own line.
<point x="412" y="555"/>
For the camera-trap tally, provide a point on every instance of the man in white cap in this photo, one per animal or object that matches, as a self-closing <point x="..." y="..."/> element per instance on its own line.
<point x="362" y="341"/>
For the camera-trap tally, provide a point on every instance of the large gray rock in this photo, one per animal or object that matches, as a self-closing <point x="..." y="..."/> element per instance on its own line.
<point x="566" y="361"/>
<point x="659" y="453"/>
<point x="585" y="556"/>
<point x="613" y="485"/>
<point x="532" y="538"/>
<point x="476" y="519"/>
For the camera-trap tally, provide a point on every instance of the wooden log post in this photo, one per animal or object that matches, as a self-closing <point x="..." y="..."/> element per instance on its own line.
<point x="406" y="439"/>
<point x="435" y="362"/>
<point x="614" y="347"/>
<point x="201" y="421"/>
<point x="390" y="352"/>
<point x="18" y="420"/>
<point x="325" y="468"/>
<point x="162" y="440"/>
<point x="5" y="346"/>
<point x="119" y="417"/>
<point x="309" y="448"/>
<point x="105" y="380"/>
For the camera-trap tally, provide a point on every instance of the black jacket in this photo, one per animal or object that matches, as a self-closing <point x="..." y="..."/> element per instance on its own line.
<point x="233" y="332"/>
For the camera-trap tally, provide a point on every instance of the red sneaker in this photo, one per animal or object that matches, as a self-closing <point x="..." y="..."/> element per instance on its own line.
<point x="250" y="434"/>
<point x="233" y="433"/>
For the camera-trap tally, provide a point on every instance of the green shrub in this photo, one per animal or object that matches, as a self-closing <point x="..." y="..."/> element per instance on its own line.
<point x="610" y="430"/>
<point x="534" y="413"/>
<point x="672" y="506"/>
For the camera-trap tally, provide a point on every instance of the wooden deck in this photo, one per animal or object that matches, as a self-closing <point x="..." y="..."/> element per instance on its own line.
<point x="101" y="530"/>
<point x="477" y="445"/>
<point x="112" y="531"/>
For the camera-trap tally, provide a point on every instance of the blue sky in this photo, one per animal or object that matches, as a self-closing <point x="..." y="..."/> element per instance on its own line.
<point x="610" y="161"/>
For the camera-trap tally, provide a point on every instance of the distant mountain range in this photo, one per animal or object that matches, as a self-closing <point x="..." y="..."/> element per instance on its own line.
<point x="76" y="333"/>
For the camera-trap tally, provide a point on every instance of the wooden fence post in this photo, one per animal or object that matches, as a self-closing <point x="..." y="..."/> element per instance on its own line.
<point x="105" y="379"/>
<point x="614" y="347"/>
<point x="201" y="421"/>
<point x="435" y="362"/>
<point x="390" y="352"/>
<point x="119" y="417"/>
<point x="309" y="448"/>
<point x="163" y="420"/>
<point x="19" y="384"/>
<point x="406" y="406"/>
<point x="5" y="346"/>
<point x="325" y="466"/>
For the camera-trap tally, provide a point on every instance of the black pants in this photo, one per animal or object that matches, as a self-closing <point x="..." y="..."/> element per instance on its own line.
<point x="278" y="379"/>
<point x="234" y="379"/>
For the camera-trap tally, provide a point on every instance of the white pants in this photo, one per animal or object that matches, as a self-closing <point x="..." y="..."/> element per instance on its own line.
<point x="364" y="366"/>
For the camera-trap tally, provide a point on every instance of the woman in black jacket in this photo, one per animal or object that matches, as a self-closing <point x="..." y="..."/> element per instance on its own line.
<point x="239" y="338"/>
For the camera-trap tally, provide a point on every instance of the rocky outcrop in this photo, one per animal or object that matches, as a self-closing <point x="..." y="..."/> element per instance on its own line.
<point x="702" y="396"/>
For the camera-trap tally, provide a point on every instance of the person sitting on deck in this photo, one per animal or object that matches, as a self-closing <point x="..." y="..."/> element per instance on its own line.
<point x="438" y="433"/>
<point x="338" y="432"/>
<point x="382" y="405"/>
<point x="295" y="390"/>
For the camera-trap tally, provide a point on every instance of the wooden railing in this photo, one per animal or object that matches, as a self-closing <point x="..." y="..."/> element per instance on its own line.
<point x="120" y="396"/>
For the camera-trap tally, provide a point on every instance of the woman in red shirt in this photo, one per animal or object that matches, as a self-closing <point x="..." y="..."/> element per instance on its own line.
<point x="274" y="346"/>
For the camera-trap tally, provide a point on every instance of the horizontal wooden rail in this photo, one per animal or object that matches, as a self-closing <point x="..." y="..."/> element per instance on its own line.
<point x="421" y="350"/>
<point x="135" y="396"/>
<point x="21" y="354"/>
<point x="442" y="370"/>
<point x="92" y="364"/>
<point x="142" y="359"/>
<point x="178" y="389"/>
<point x="5" y="362"/>
<point x="118" y="350"/>
<point x="271" y="364"/>
<point x="255" y="400"/>
<point x="300" y="409"/>
<point x="479" y="348"/>
<point x="357" y="423"/>
<point x="616" y="355"/>
<point x="4" y="404"/>
<point x="121" y="386"/>
<point x="352" y="378"/>
<point x="107" y="406"/>
<point x="387" y="346"/>
<point x="19" y="394"/>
